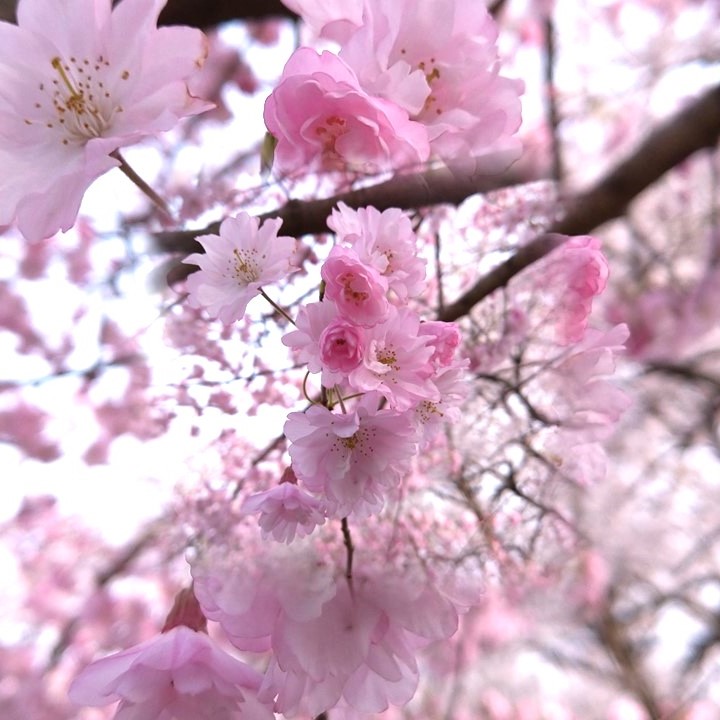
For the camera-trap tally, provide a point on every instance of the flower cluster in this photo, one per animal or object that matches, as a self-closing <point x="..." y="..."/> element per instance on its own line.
<point x="414" y="80"/>
<point x="388" y="378"/>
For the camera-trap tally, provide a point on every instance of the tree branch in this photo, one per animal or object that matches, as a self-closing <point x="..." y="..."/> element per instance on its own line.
<point x="695" y="127"/>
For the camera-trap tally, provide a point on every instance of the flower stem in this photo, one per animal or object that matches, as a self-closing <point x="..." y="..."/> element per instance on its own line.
<point x="350" y="548"/>
<point x="141" y="184"/>
<point x="277" y="307"/>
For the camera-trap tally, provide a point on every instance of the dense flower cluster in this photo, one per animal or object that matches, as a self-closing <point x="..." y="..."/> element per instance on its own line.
<point x="413" y="81"/>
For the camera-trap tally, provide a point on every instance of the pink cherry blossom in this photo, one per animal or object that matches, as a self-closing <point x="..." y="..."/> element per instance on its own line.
<point x="321" y="116"/>
<point x="353" y="460"/>
<point x="439" y="61"/>
<point x="342" y="345"/>
<point x="397" y="362"/>
<point x="285" y="512"/>
<point x="178" y="674"/>
<point x="386" y="241"/>
<point x="445" y="338"/>
<point x="579" y="267"/>
<point x="357" y="289"/>
<point x="359" y="653"/>
<point x="310" y="324"/>
<point x="236" y="264"/>
<point x="80" y="81"/>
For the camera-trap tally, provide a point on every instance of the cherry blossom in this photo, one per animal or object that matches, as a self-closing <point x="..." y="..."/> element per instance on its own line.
<point x="178" y="674"/>
<point x="386" y="241"/>
<point x="320" y="116"/>
<point x="73" y="92"/>
<point x="236" y="264"/>
<point x="335" y="19"/>
<point x="353" y="460"/>
<point x="358" y="290"/>
<point x="397" y="361"/>
<point x="286" y="512"/>
<point x="439" y="61"/>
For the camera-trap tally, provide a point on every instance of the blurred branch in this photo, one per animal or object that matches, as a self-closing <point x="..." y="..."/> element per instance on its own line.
<point x="207" y="13"/>
<point x="693" y="128"/>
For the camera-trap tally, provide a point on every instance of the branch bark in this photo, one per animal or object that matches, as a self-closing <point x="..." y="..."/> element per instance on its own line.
<point x="693" y="128"/>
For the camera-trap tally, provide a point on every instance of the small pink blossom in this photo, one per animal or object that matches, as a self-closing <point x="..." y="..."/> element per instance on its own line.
<point x="397" y="362"/>
<point x="386" y="241"/>
<point x="353" y="460"/>
<point x="445" y="339"/>
<point x="236" y="264"/>
<point x="581" y="270"/>
<point x="321" y="116"/>
<point x="356" y="288"/>
<point x="342" y="345"/>
<point x="178" y="674"/>
<point x="80" y="80"/>
<point x="285" y="512"/>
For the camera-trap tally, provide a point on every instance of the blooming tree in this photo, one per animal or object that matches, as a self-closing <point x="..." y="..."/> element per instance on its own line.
<point x="399" y="405"/>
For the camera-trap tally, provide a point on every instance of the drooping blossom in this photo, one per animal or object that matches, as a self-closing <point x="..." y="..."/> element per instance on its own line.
<point x="321" y="117"/>
<point x="357" y="289"/>
<point x="397" y="362"/>
<point x="444" y="337"/>
<point x="286" y="511"/>
<point x="359" y="653"/>
<point x="580" y="271"/>
<point x="342" y="345"/>
<point x="80" y="80"/>
<point x="249" y="598"/>
<point x="439" y="61"/>
<point x="351" y="460"/>
<point x="236" y="264"/>
<point x="386" y="241"/>
<point x="180" y="673"/>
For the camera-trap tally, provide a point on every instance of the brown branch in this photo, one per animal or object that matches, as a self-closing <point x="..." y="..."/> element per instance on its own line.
<point x="308" y="217"/>
<point x="694" y="128"/>
<point x="207" y="13"/>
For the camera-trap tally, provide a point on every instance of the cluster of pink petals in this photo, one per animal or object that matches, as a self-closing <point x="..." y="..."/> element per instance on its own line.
<point x="332" y="645"/>
<point x="73" y="92"/>
<point x="352" y="460"/>
<point x="322" y="118"/>
<point x="236" y="264"/>
<point x="178" y="675"/>
<point x="367" y="343"/>
<point x="579" y="267"/>
<point x="434" y="63"/>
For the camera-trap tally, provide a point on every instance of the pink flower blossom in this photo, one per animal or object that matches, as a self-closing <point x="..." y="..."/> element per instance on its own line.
<point x="397" y="362"/>
<point x="342" y="345"/>
<point x="444" y="337"/>
<point x="359" y="653"/>
<point x="357" y="289"/>
<point x="321" y="116"/>
<point x="311" y="323"/>
<point x="236" y="264"/>
<point x="579" y="267"/>
<point x="386" y="241"/>
<point x="178" y="674"/>
<point x="439" y="61"/>
<point x="353" y="460"/>
<point x="80" y="81"/>
<point x="285" y="512"/>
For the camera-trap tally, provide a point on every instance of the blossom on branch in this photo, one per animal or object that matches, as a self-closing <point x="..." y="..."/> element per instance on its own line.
<point x="81" y="80"/>
<point x="236" y="264"/>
